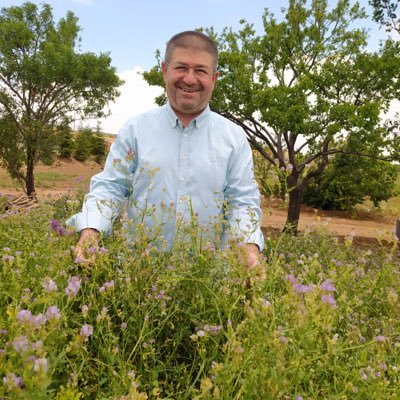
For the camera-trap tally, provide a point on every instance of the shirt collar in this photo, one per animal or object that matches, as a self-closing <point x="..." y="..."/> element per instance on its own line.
<point x="197" y="122"/>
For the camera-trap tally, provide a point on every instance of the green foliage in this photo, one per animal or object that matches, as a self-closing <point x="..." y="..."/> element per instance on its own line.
<point x="66" y="143"/>
<point x="46" y="84"/>
<point x="193" y="323"/>
<point x="349" y="181"/>
<point x="89" y="143"/>
<point x="385" y="13"/>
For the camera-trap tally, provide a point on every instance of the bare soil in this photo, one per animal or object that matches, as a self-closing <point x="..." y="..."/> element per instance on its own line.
<point x="274" y="213"/>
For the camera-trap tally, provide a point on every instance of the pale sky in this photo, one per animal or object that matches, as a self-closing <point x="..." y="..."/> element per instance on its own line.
<point x="132" y="30"/>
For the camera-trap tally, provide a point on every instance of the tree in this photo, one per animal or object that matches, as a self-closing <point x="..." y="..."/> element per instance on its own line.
<point x="45" y="83"/>
<point x="385" y="13"/>
<point x="304" y="86"/>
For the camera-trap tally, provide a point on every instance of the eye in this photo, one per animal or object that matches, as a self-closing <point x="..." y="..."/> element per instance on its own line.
<point x="201" y="71"/>
<point x="181" y="68"/>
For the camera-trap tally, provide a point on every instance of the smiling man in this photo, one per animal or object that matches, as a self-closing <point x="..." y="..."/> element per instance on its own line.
<point x="178" y="163"/>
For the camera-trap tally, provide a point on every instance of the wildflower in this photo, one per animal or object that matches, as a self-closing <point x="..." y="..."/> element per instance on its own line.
<point x="124" y="325"/>
<point x="299" y="288"/>
<point x="21" y="344"/>
<point x="17" y="253"/>
<point x="200" y="333"/>
<point x="8" y="258"/>
<point x="39" y="320"/>
<point x="53" y="313"/>
<point x="379" y="338"/>
<point x="86" y="331"/>
<point x="109" y="285"/>
<point x="40" y="365"/>
<point x="74" y="284"/>
<point x="328" y="299"/>
<point x="328" y="286"/>
<point x="291" y="278"/>
<point x="13" y="381"/>
<point x="49" y="285"/>
<point x="284" y="339"/>
<point x="57" y="227"/>
<point x="85" y="310"/>
<point x="130" y="155"/>
<point x="25" y="317"/>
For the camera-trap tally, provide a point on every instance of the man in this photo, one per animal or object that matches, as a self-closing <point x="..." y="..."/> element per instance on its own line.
<point x="179" y="162"/>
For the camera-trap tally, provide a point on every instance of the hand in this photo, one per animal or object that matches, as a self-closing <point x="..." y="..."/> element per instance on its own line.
<point x="88" y="238"/>
<point x="252" y="254"/>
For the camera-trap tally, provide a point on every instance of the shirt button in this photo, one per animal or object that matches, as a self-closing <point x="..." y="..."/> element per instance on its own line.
<point x="181" y="179"/>
<point x="185" y="135"/>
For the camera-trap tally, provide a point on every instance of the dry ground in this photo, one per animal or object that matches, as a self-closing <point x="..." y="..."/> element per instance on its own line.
<point x="65" y="175"/>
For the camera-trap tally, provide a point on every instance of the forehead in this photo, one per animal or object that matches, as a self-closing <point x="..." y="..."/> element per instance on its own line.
<point x="191" y="56"/>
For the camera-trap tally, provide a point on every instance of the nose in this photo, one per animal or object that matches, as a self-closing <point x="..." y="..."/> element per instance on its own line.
<point x="189" y="77"/>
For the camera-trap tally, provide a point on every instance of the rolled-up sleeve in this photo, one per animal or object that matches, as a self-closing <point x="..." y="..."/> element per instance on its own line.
<point x="109" y="189"/>
<point x="243" y="197"/>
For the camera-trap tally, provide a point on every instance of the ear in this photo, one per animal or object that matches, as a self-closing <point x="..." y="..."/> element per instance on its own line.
<point x="164" y="67"/>
<point x="215" y="77"/>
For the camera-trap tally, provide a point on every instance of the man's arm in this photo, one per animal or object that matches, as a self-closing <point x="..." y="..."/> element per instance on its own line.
<point x="243" y="197"/>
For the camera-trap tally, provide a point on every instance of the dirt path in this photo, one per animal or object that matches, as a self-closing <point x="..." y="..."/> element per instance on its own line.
<point x="274" y="215"/>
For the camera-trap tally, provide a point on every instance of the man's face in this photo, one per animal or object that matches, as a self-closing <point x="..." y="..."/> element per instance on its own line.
<point x="190" y="79"/>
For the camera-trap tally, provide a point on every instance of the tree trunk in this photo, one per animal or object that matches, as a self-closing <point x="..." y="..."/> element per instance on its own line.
<point x="30" y="180"/>
<point x="293" y="215"/>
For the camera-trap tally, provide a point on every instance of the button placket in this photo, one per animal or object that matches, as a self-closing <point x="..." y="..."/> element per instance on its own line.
<point x="183" y="173"/>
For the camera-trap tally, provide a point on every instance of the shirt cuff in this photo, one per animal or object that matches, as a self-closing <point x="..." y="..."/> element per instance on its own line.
<point x="92" y="220"/>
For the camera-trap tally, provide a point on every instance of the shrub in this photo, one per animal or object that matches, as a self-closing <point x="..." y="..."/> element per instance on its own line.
<point x="349" y="181"/>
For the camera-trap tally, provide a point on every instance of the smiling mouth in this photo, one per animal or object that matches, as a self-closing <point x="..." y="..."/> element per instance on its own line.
<point x="189" y="90"/>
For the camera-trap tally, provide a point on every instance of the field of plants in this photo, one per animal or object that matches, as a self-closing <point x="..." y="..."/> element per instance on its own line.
<point x="317" y="320"/>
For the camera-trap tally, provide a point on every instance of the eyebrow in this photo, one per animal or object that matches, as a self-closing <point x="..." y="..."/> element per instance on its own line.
<point x="194" y="66"/>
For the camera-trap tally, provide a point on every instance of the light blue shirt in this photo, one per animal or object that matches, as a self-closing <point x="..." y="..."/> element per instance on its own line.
<point x="173" y="175"/>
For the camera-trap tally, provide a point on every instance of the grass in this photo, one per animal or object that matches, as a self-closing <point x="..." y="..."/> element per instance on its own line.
<point x="43" y="180"/>
<point x="316" y="321"/>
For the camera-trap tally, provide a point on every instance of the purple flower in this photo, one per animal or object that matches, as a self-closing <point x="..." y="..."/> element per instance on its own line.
<point x="328" y="286"/>
<point x="328" y="299"/>
<point x="40" y="365"/>
<point x="53" y="313"/>
<point x="49" y="285"/>
<point x="57" y="227"/>
<point x="86" y="331"/>
<point x="13" y="381"/>
<point x="21" y="344"/>
<point x="299" y="288"/>
<point x="74" y="284"/>
<point x="39" y="320"/>
<point x="124" y="325"/>
<point x="380" y="338"/>
<point x="291" y="278"/>
<point x="8" y="258"/>
<point x="25" y="317"/>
